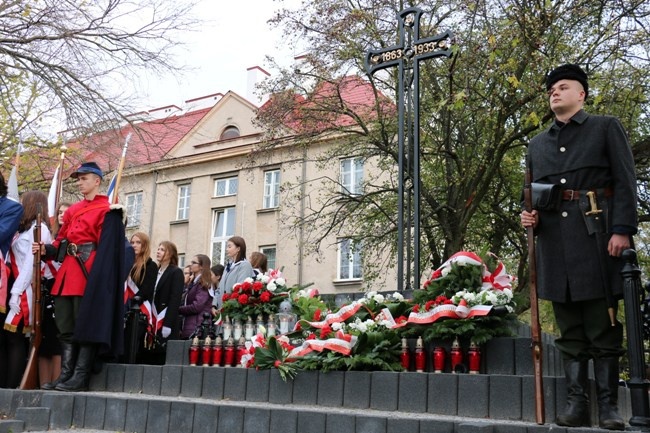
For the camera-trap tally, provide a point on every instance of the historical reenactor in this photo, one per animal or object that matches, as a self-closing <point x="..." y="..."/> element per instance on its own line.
<point x="89" y="284"/>
<point x="11" y="213"/>
<point x="583" y="181"/>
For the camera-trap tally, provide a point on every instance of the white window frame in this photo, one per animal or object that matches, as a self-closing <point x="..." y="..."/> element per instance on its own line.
<point x="352" y="168"/>
<point x="270" y="258"/>
<point x="231" y="186"/>
<point x="183" y="202"/>
<point x="133" y="203"/>
<point x="271" y="189"/>
<point x="350" y="266"/>
<point x="230" y="215"/>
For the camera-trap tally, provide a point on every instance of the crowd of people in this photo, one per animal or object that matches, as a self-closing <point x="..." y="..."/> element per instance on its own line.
<point x="86" y="276"/>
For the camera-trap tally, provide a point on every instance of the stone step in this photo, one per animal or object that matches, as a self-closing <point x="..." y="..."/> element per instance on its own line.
<point x="120" y="412"/>
<point x="11" y="426"/>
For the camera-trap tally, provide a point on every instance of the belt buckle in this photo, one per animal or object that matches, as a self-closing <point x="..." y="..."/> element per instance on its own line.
<point x="71" y="250"/>
<point x="573" y="191"/>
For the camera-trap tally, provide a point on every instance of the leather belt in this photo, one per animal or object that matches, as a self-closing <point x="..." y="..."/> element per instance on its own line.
<point x="575" y="194"/>
<point x="80" y="249"/>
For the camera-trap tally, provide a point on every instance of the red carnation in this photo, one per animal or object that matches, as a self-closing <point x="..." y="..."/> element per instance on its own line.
<point x="430" y="304"/>
<point x="246" y="286"/>
<point x="225" y="297"/>
<point x="277" y="363"/>
<point x="243" y="299"/>
<point x="437" y="274"/>
<point x="325" y="331"/>
<point x="258" y="285"/>
<point x="317" y="315"/>
<point x="311" y="336"/>
<point x="400" y="319"/>
<point x="416" y="308"/>
<point x="265" y="296"/>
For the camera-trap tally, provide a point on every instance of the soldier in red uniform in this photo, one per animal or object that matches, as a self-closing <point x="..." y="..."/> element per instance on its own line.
<point x="75" y="247"/>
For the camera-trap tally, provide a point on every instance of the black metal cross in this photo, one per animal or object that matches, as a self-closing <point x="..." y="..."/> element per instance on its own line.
<point x="407" y="56"/>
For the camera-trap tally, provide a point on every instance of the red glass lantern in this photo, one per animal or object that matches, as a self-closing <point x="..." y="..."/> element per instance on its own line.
<point x="229" y="353"/>
<point x="439" y="355"/>
<point x="217" y="352"/>
<point x="419" y="356"/>
<point x="456" y="357"/>
<point x="474" y="358"/>
<point x="194" y="351"/>
<point x="405" y="357"/>
<point x="206" y="352"/>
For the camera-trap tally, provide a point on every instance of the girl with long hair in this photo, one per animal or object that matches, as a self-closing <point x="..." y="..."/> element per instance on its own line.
<point x="19" y="318"/>
<point x="49" y="352"/>
<point x="144" y="271"/>
<point x="199" y="297"/>
<point x="237" y="270"/>
<point x="166" y="294"/>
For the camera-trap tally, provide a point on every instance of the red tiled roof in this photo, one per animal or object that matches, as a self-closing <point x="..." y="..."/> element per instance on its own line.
<point x="150" y="140"/>
<point x="332" y="104"/>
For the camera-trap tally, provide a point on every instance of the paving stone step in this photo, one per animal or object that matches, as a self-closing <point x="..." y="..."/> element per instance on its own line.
<point x="120" y="412"/>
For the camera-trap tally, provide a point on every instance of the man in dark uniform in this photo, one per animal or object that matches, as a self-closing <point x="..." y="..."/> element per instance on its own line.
<point x="578" y="265"/>
<point x="77" y="243"/>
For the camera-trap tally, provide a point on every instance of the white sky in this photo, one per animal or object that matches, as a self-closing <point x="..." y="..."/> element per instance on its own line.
<point x="235" y="36"/>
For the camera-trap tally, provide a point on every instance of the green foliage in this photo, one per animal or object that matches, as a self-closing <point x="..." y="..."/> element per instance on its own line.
<point x="478" y="111"/>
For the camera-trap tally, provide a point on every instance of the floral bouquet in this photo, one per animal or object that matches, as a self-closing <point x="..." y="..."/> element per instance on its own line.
<point x="465" y="288"/>
<point x="255" y="296"/>
<point x="363" y="335"/>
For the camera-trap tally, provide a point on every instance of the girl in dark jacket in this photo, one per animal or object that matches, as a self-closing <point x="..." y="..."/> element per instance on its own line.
<point x="199" y="298"/>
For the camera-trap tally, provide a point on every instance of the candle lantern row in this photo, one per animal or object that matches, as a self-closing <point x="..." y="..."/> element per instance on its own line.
<point x="417" y="361"/>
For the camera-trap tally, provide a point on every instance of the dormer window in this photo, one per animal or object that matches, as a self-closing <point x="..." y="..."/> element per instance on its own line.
<point x="229" y="132"/>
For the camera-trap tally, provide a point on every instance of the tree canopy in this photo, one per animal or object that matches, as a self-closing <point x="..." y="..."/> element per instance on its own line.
<point x="478" y="110"/>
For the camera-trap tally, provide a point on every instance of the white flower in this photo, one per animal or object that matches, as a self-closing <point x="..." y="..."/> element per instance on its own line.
<point x="249" y="280"/>
<point x="362" y="301"/>
<point x="280" y="282"/>
<point x="371" y="294"/>
<point x="379" y="298"/>
<point x="397" y="296"/>
<point x="271" y="287"/>
<point x="263" y="278"/>
<point x="337" y="326"/>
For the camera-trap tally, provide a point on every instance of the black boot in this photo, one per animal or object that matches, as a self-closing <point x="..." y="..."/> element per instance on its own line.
<point x="606" y="373"/>
<point x="68" y="360"/>
<point x="81" y="376"/>
<point x="577" y="385"/>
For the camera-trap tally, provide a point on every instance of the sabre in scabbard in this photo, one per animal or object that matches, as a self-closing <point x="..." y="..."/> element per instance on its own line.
<point x="596" y="226"/>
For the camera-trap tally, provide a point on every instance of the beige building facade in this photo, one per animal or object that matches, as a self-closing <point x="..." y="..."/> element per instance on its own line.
<point x="210" y="186"/>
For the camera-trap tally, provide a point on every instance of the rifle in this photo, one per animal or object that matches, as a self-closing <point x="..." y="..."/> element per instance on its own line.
<point x="535" y="328"/>
<point x="30" y="377"/>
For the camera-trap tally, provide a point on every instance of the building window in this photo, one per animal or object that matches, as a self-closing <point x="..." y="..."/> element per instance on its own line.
<point x="271" y="189"/>
<point x="181" y="261"/>
<point x="183" y="206"/>
<point x="224" y="187"/>
<point x="229" y="132"/>
<point x="269" y="252"/>
<point x="352" y="176"/>
<point x="349" y="259"/>
<point x="223" y="227"/>
<point x="133" y="209"/>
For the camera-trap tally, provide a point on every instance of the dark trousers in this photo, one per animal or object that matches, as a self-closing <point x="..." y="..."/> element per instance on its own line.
<point x="67" y="308"/>
<point x="586" y="330"/>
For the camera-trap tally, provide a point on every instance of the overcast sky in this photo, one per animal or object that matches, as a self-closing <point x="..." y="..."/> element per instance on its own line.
<point x="234" y="38"/>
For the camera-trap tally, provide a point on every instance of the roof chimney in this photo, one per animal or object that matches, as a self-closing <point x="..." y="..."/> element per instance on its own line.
<point x="255" y="75"/>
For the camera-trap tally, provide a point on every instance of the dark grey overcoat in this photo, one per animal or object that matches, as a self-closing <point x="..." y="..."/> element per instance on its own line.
<point x="590" y="152"/>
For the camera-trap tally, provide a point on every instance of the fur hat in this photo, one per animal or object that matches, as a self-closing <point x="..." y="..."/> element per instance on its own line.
<point x="568" y="72"/>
